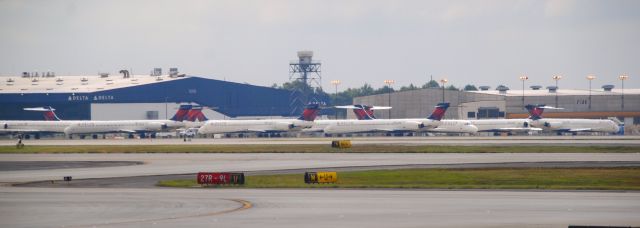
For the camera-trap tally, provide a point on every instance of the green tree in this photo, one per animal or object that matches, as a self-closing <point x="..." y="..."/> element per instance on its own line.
<point x="431" y="84"/>
<point x="470" y="87"/>
<point x="410" y="87"/>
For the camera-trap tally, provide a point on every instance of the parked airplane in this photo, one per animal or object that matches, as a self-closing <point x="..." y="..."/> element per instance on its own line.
<point x="453" y="126"/>
<point x="365" y="112"/>
<point x="432" y="123"/>
<point x="504" y="125"/>
<point x="83" y="127"/>
<point x="262" y="126"/>
<point x="569" y="125"/>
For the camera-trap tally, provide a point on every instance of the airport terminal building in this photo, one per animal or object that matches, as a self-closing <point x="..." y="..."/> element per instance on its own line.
<point x="123" y="96"/>
<point x="502" y="102"/>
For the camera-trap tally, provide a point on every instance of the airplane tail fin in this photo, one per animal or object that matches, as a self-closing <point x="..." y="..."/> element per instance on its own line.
<point x="535" y="111"/>
<point x="364" y="112"/>
<point x="310" y="112"/>
<point x="620" y="129"/>
<point x="48" y="112"/>
<point x="438" y="113"/>
<point x="195" y="114"/>
<point x="619" y="123"/>
<point x="182" y="112"/>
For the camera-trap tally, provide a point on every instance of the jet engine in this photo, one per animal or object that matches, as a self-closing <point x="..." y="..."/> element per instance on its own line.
<point x="156" y="126"/>
<point x="284" y="126"/>
<point x="412" y="125"/>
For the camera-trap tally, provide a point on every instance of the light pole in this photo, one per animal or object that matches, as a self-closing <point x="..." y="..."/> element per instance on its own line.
<point x="590" y="78"/>
<point x="622" y="78"/>
<point x="336" y="83"/>
<point x="443" y="81"/>
<point x="389" y="83"/>
<point x="523" y="78"/>
<point x="557" y="78"/>
<point x="165" y="108"/>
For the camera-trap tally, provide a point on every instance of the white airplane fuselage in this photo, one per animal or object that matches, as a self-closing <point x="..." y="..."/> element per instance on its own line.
<point x="379" y="125"/>
<point x="35" y="126"/>
<point x="268" y="125"/>
<point x="504" y="125"/>
<point x="116" y="126"/>
<point x="455" y="126"/>
<point x="87" y="126"/>
<point x="576" y="125"/>
<point x="320" y="125"/>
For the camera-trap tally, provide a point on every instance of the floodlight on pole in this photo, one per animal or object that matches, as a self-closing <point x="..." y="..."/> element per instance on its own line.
<point x="590" y="78"/>
<point x="557" y="78"/>
<point x="443" y="81"/>
<point x="336" y="83"/>
<point x="389" y="84"/>
<point x="523" y="78"/>
<point x="622" y="78"/>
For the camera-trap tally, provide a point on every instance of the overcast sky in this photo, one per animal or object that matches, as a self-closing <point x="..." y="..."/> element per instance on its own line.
<point x="468" y="42"/>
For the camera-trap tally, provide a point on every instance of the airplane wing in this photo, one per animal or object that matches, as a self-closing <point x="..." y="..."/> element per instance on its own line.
<point x="127" y="131"/>
<point x="256" y="130"/>
<point x="355" y="107"/>
<point x="385" y="129"/>
<point x="39" y="109"/>
<point x="579" y="129"/>
<point x="380" y="107"/>
<point x="517" y="129"/>
<point x="345" y="106"/>
<point x="19" y="130"/>
<point x="438" y="129"/>
<point x="549" y="107"/>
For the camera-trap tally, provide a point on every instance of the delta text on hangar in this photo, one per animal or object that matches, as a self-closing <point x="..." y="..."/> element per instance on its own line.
<point x="124" y="96"/>
<point x="599" y="103"/>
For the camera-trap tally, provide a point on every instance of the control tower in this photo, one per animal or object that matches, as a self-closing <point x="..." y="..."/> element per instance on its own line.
<point x="305" y="69"/>
<point x="304" y="74"/>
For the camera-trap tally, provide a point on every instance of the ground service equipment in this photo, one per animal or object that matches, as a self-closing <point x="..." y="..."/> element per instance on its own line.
<point x="320" y="177"/>
<point x="341" y="144"/>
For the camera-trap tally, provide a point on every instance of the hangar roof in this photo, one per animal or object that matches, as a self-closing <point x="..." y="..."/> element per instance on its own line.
<point x="77" y="84"/>
<point x="561" y="92"/>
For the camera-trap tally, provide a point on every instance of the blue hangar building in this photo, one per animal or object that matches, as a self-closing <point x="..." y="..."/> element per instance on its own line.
<point x="124" y="96"/>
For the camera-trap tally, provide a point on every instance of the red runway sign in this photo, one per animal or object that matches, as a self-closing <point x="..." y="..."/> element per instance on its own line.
<point x="220" y="178"/>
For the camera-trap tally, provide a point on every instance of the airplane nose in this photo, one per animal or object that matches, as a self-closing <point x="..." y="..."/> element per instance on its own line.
<point x="472" y="129"/>
<point x="202" y="130"/>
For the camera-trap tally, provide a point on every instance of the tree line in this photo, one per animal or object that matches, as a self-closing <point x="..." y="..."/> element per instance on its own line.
<point x="346" y="97"/>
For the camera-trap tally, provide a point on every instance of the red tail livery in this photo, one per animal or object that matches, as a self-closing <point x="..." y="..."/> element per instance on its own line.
<point x="535" y="111"/>
<point x="438" y="113"/>
<point x="182" y="112"/>
<point x="363" y="112"/>
<point x="310" y="112"/>
<point x="196" y="114"/>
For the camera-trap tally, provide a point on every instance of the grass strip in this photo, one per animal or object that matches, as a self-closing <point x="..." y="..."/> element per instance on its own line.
<point x="493" y="178"/>
<point x="317" y="149"/>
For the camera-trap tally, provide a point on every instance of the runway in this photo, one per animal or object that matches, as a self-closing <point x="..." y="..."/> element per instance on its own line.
<point x="136" y="205"/>
<point x="151" y="180"/>
<point x="436" y="140"/>
<point x="44" y="207"/>
<point x="167" y="163"/>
